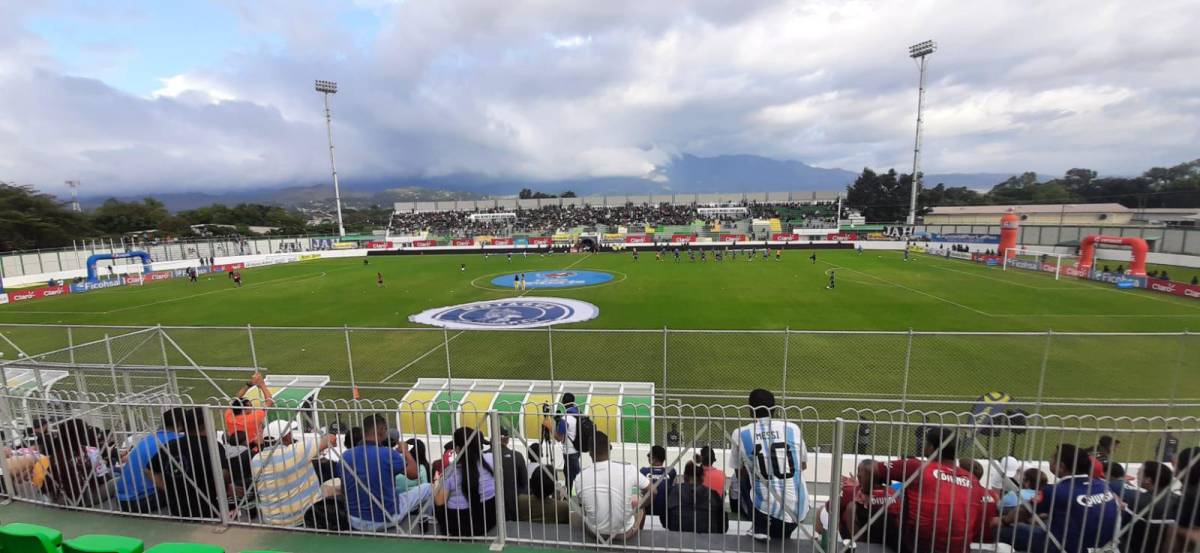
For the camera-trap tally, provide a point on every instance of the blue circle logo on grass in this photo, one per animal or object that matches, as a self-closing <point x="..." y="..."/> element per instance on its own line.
<point x="508" y="314"/>
<point x="555" y="279"/>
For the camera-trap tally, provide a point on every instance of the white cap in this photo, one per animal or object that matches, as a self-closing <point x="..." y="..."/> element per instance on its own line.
<point x="275" y="430"/>
<point x="1009" y="467"/>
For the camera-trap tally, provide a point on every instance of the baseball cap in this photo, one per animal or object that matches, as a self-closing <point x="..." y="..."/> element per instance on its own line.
<point x="505" y="432"/>
<point x="275" y="430"/>
<point x="1009" y="468"/>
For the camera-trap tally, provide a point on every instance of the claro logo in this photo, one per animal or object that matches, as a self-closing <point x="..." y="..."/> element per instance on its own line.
<point x="1191" y="293"/>
<point x="1170" y="288"/>
<point x="23" y="296"/>
<point x="52" y="292"/>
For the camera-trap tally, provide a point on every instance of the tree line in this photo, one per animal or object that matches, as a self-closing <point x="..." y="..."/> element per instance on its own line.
<point x="30" y="219"/>
<point x="884" y="197"/>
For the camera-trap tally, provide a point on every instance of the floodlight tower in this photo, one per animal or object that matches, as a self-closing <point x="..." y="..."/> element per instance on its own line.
<point x="327" y="88"/>
<point x="918" y="52"/>
<point x="74" y="185"/>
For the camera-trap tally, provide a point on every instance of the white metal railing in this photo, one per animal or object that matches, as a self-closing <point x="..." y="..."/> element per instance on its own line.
<point x="169" y="457"/>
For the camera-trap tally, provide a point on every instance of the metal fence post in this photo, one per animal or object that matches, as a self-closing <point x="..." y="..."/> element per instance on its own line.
<point x="172" y="382"/>
<point x="835" y="499"/>
<point x="218" y="476"/>
<point x="664" y="385"/>
<point x="907" y="365"/>
<point x="80" y="378"/>
<point x="550" y="352"/>
<point x="498" y="468"/>
<point x="112" y="366"/>
<point x="1178" y="371"/>
<point x="1042" y="375"/>
<point x="253" y="350"/>
<point x="350" y="362"/>
<point x="446" y="347"/>
<point x="787" y="338"/>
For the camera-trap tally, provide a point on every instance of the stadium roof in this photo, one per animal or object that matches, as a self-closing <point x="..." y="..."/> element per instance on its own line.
<point x="1046" y="208"/>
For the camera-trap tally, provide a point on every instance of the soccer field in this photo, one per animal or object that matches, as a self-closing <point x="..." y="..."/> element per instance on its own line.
<point x="876" y="291"/>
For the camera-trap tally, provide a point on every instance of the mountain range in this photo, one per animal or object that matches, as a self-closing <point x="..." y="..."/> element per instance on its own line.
<point x="684" y="174"/>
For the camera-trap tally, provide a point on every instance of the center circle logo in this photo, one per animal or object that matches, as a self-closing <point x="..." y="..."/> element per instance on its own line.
<point x="508" y="314"/>
<point x="553" y="279"/>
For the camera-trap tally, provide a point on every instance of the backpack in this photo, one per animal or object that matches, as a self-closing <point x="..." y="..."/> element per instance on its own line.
<point x="328" y="514"/>
<point x="585" y="431"/>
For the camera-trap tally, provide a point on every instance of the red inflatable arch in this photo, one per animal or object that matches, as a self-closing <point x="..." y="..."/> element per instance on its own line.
<point x="1087" y="251"/>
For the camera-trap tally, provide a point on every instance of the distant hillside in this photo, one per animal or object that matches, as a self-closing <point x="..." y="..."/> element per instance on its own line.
<point x="684" y="174"/>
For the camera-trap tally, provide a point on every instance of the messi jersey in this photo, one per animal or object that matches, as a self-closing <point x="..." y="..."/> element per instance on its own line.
<point x="773" y="453"/>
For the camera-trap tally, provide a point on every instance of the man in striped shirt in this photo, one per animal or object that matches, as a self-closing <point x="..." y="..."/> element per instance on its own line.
<point x="285" y="481"/>
<point x="769" y="457"/>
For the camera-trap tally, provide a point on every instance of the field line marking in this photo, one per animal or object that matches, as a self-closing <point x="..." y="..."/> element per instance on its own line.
<point x="922" y="292"/>
<point x="577" y="261"/>
<point x="181" y="298"/>
<point x="1031" y="287"/>
<point x="424" y="355"/>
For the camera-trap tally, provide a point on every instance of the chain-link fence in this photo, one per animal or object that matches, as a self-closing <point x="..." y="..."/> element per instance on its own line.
<point x="1130" y="373"/>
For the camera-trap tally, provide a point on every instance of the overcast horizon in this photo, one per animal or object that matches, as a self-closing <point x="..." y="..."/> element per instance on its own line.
<point x="137" y="97"/>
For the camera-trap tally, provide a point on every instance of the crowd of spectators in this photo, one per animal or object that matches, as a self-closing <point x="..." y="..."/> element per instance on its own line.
<point x="554" y="218"/>
<point x="267" y="471"/>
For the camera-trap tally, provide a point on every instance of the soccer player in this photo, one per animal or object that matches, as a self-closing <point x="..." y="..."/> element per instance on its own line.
<point x="832" y="280"/>
<point x="522" y="282"/>
<point x="692" y="255"/>
<point x="509" y="257"/>
<point x="778" y="253"/>
<point x="379" y="280"/>
<point x="635" y="255"/>
<point x="906" y="252"/>
<point x="702" y="256"/>
<point x="462" y="267"/>
<point x="237" y="278"/>
<point x="658" y="255"/>
<point x="769" y="458"/>
<point x="516" y="282"/>
<point x="677" y="255"/>
<point x="860" y="249"/>
<point x="365" y="261"/>
<point x="813" y="258"/>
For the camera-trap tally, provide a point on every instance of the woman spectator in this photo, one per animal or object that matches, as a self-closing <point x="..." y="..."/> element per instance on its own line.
<point x="693" y="506"/>
<point x="419" y="452"/>
<point x="714" y="478"/>
<point x="79" y="474"/>
<point x="465" y="504"/>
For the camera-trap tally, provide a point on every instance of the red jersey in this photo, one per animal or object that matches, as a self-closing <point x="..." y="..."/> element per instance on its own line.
<point x="944" y="505"/>
<point x="868" y="502"/>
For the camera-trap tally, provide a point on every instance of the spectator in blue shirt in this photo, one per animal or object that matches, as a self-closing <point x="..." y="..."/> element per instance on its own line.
<point x="662" y="477"/>
<point x="1080" y="512"/>
<point x="369" y="477"/>
<point x="135" y="490"/>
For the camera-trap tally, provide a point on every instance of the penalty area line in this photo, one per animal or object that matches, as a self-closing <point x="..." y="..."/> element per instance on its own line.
<point x="903" y="287"/>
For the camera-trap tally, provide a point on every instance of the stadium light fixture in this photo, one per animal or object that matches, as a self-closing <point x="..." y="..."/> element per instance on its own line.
<point x="326" y="88"/>
<point x="919" y="52"/>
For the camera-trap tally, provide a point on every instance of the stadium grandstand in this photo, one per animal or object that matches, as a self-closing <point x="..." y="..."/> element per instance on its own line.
<point x="682" y="214"/>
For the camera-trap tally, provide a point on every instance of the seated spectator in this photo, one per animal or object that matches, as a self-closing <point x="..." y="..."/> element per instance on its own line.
<point x="1003" y="475"/>
<point x="241" y="416"/>
<point x="465" y="504"/>
<point x="284" y="474"/>
<point x="694" y="507"/>
<point x="135" y="490"/>
<point x="1104" y="448"/>
<point x="772" y="487"/>
<point x="1032" y="482"/>
<point x="863" y="497"/>
<point x="540" y="505"/>
<point x="369" y="479"/>
<point x="237" y="453"/>
<point x="662" y="478"/>
<point x="972" y="466"/>
<point x="944" y="506"/>
<point x="1195" y="280"/>
<point x="516" y="479"/>
<point x="1187" y="522"/>
<point x="1080" y="512"/>
<point x="541" y="472"/>
<point x="183" y="469"/>
<point x="440" y="464"/>
<point x="611" y="493"/>
<point x="1164" y="275"/>
<point x="420" y="454"/>
<point x="714" y="477"/>
<point x="79" y="474"/>
<point x="1149" y="508"/>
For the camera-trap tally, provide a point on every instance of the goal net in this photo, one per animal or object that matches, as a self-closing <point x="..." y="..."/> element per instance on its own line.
<point x="1057" y="264"/>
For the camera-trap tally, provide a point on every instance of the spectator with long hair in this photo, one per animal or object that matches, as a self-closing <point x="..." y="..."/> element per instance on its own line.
<point x="418" y="450"/>
<point x="693" y="506"/>
<point x="79" y="474"/>
<point x="465" y="503"/>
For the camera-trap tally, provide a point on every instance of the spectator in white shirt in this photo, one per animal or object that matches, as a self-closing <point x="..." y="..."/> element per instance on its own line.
<point x="611" y="494"/>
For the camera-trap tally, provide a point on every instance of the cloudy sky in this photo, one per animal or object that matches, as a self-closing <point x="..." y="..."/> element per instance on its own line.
<point x="213" y="95"/>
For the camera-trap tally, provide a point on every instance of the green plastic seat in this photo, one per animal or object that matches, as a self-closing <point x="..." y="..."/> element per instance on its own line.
<point x="262" y="551"/>
<point x="100" y="543"/>
<point x="185" y="548"/>
<point x="20" y="537"/>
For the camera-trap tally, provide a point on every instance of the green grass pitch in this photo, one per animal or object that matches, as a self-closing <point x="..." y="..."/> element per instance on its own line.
<point x="876" y="291"/>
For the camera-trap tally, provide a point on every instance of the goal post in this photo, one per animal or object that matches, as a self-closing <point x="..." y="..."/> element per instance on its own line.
<point x="1027" y="259"/>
